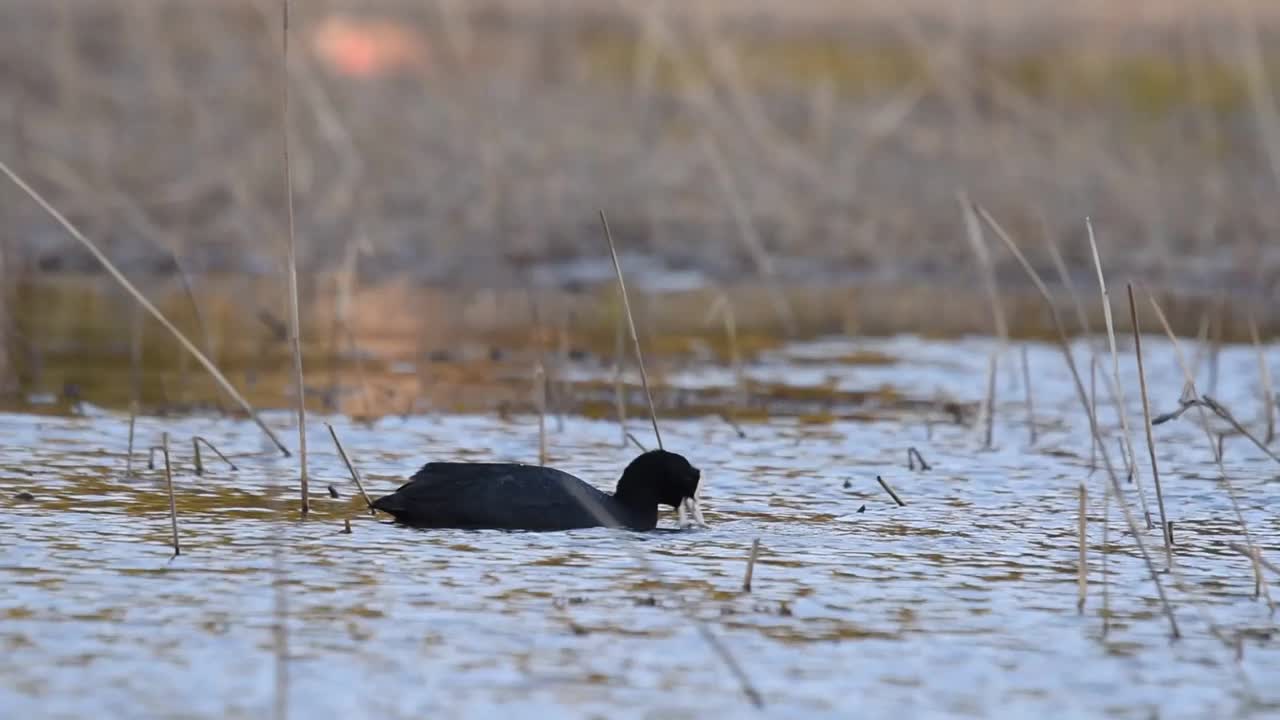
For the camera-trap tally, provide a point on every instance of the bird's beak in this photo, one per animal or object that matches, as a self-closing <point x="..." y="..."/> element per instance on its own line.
<point x="690" y="513"/>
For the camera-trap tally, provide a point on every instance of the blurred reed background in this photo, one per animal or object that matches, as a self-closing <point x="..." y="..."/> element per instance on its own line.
<point x="800" y="161"/>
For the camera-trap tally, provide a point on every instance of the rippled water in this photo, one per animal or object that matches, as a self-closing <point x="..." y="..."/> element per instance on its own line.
<point x="960" y="604"/>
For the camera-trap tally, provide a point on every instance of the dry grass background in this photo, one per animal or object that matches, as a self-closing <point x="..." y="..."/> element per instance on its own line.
<point x="813" y="140"/>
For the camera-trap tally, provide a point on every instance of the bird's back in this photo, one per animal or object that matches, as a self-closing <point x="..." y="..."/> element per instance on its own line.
<point x="498" y="495"/>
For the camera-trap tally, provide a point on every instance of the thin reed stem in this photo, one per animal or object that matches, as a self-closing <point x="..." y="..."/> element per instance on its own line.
<point x="1093" y="420"/>
<point x="142" y="300"/>
<point x="1116" y="389"/>
<point x="128" y="461"/>
<point x="351" y="468"/>
<point x="913" y="455"/>
<point x="1082" y="564"/>
<point x="889" y="490"/>
<point x="195" y="446"/>
<point x="1031" y="408"/>
<point x="631" y="323"/>
<point x="540" y="390"/>
<point x="173" y="504"/>
<point x="751" y="565"/>
<point x="1264" y="375"/>
<point x="973" y="231"/>
<point x="295" y="343"/>
<point x="1093" y="404"/>
<point x="619" y="390"/>
<point x="1146" y="423"/>
<point x="1254" y="554"/>
<point x="1259" y="585"/>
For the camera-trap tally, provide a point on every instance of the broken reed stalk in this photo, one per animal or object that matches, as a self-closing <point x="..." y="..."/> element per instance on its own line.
<point x="1031" y="408"/>
<point x="1264" y="375"/>
<point x="619" y="391"/>
<point x="889" y="490"/>
<point x="636" y="442"/>
<point x="351" y="468"/>
<point x="540" y="391"/>
<point x="1082" y="564"/>
<point x="733" y="424"/>
<point x="1146" y="423"/>
<point x="973" y="231"/>
<point x="142" y="300"/>
<point x="631" y="323"/>
<point x="1222" y="412"/>
<point x="151" y="456"/>
<point x="173" y="505"/>
<point x="1116" y="389"/>
<point x="195" y="446"/>
<point x="751" y="565"/>
<point x="295" y="344"/>
<point x="1093" y="420"/>
<point x="914" y="453"/>
<point x="1259" y="585"/>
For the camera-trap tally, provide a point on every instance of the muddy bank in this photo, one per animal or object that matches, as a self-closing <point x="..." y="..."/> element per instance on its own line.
<point x="391" y="348"/>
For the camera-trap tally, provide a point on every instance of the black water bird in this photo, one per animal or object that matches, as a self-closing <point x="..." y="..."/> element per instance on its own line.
<point x="512" y="496"/>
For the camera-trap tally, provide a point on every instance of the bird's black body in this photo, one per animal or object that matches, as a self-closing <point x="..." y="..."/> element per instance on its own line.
<point x="510" y="496"/>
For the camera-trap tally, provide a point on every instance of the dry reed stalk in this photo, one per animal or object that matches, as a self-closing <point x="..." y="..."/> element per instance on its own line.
<point x="1082" y="564"/>
<point x="1204" y="424"/>
<point x="1093" y="403"/>
<point x="751" y="565"/>
<point x="1064" y="276"/>
<point x="728" y="420"/>
<point x="631" y="323"/>
<point x="1217" y="330"/>
<point x="973" y="231"/>
<point x="1264" y="375"/>
<point x="151" y="456"/>
<point x="173" y="505"/>
<point x="142" y="300"/>
<point x="989" y="401"/>
<point x="1026" y="384"/>
<point x="889" y="490"/>
<point x="619" y="391"/>
<point x="1258" y="556"/>
<point x="1116" y="389"/>
<point x="540" y="390"/>
<point x="1146" y="422"/>
<point x="1202" y="342"/>
<point x="913" y="455"/>
<point x="351" y="468"/>
<point x="195" y="447"/>
<point x="634" y="441"/>
<point x="724" y="308"/>
<point x="1093" y="420"/>
<point x="295" y="344"/>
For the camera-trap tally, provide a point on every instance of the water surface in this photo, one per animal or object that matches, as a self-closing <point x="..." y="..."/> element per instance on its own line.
<point x="960" y="604"/>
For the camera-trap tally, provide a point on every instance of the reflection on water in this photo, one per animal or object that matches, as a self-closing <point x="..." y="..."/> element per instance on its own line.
<point x="961" y="603"/>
